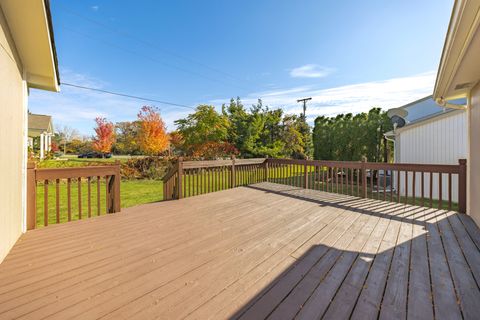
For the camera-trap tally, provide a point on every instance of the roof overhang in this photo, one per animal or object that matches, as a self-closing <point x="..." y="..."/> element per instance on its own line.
<point x="459" y="69"/>
<point x="31" y="29"/>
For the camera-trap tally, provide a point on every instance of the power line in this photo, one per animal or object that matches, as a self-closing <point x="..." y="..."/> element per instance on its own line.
<point x="138" y="54"/>
<point x="147" y="43"/>
<point x="126" y="95"/>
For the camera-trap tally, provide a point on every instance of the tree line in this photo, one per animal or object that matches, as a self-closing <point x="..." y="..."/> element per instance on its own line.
<point x="247" y="132"/>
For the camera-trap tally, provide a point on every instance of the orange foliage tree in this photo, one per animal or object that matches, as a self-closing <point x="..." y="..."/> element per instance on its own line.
<point x="153" y="137"/>
<point x="105" y="135"/>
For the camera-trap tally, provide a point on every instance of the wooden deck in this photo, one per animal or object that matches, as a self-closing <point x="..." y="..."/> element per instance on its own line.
<point x="265" y="251"/>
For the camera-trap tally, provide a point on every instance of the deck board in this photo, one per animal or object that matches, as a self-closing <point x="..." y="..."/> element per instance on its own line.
<point x="264" y="251"/>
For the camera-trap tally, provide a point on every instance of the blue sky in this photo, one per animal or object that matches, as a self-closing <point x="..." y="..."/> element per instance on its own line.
<point x="347" y="55"/>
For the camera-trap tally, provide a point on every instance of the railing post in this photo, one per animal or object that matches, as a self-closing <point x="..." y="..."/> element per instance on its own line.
<point x="234" y="183"/>
<point x="462" y="186"/>
<point x="364" y="177"/>
<point x="114" y="190"/>
<point x="31" y="195"/>
<point x="266" y="169"/>
<point x="305" y="166"/>
<point x="180" y="178"/>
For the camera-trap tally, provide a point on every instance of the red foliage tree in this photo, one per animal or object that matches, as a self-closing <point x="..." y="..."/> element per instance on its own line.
<point x="105" y="135"/>
<point x="153" y="137"/>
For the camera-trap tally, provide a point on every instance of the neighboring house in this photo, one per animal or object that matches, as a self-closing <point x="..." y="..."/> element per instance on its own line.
<point x="27" y="60"/>
<point x="458" y="77"/>
<point x="40" y="128"/>
<point x="431" y="135"/>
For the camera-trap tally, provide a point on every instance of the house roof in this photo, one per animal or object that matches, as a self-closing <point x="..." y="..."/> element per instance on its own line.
<point x="424" y="110"/>
<point x="459" y="70"/>
<point x="39" y="123"/>
<point x="31" y="28"/>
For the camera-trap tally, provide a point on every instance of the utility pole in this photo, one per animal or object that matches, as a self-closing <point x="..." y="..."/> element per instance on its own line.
<point x="304" y="100"/>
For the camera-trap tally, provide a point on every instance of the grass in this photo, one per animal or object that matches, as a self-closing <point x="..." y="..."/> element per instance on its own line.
<point x="133" y="192"/>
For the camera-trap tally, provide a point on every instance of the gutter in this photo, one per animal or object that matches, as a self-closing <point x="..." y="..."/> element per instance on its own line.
<point x="445" y="104"/>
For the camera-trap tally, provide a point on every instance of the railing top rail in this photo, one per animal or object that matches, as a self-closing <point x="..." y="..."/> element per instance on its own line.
<point x="437" y="168"/>
<point x="80" y="172"/>
<point x="327" y="163"/>
<point x="220" y="163"/>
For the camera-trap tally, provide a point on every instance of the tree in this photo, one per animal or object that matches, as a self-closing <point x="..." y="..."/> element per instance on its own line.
<point x="176" y="142"/>
<point x="126" y="138"/>
<point x="203" y="127"/>
<point x="105" y="135"/>
<point x="153" y="138"/>
<point x="65" y="135"/>
<point x="348" y="138"/>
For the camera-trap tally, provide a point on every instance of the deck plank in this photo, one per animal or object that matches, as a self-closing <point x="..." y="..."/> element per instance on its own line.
<point x="267" y="250"/>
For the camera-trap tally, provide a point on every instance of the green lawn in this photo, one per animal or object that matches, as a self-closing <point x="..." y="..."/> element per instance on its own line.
<point x="133" y="192"/>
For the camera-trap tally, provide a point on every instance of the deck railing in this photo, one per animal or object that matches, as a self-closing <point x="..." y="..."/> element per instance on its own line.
<point x="430" y="185"/>
<point x="107" y="177"/>
<point x="191" y="178"/>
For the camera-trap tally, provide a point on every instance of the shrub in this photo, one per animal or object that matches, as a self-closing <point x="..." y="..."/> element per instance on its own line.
<point x="145" y="168"/>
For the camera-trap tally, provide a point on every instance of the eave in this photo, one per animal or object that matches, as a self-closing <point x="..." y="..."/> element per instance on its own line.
<point x="30" y="26"/>
<point x="459" y="69"/>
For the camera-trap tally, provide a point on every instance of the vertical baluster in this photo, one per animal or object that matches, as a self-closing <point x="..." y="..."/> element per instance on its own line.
<point x="414" y="194"/>
<point x="384" y="184"/>
<point x="69" y="199"/>
<point x="98" y="196"/>
<point x="57" y="200"/>
<point x="406" y="187"/>
<point x="431" y="189"/>
<point x="347" y="185"/>
<point x="351" y="180"/>
<point x="107" y="193"/>
<point x="378" y="184"/>
<point x="79" y="183"/>
<point x="449" y="191"/>
<point x="341" y="180"/>
<point x="440" y="187"/>
<point x="398" y="186"/>
<point x="422" y="181"/>
<point x="358" y="182"/>
<point x="322" y="187"/>
<point x="89" y="201"/>
<point x="185" y="182"/>
<point x="327" y="173"/>
<point x="372" y="175"/>
<point x="45" y="203"/>
<point x="391" y="185"/>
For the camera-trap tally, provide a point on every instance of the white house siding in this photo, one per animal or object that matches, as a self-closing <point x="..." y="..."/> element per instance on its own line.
<point x="440" y="140"/>
<point x="473" y="179"/>
<point x="13" y="138"/>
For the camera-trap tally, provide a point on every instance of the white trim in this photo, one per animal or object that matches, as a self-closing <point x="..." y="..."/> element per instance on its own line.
<point x="464" y="24"/>
<point x="25" y="153"/>
<point x="469" y="112"/>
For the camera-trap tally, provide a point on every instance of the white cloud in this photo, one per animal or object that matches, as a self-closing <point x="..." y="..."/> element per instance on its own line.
<point x="95" y="8"/>
<point x="310" y="71"/>
<point x="352" y="98"/>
